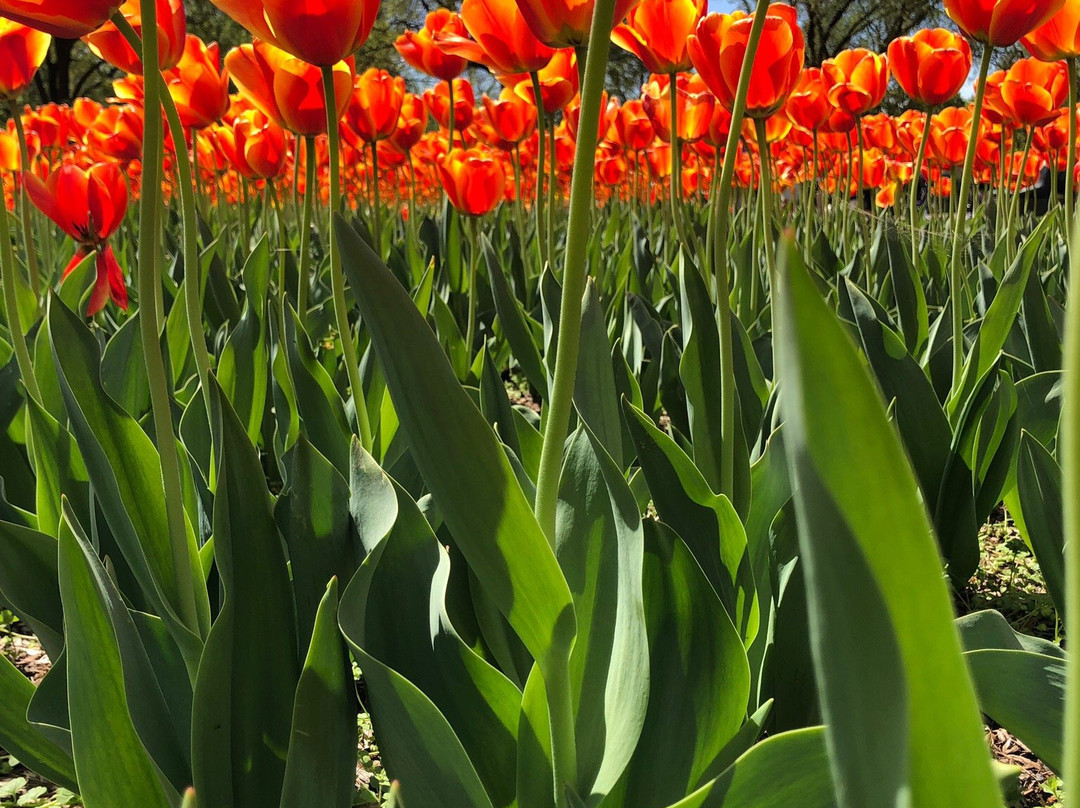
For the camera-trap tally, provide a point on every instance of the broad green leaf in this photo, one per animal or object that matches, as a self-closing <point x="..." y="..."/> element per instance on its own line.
<point x="1038" y="483"/>
<point x="243" y="709"/>
<point x="29" y="585"/>
<point x="320" y="771"/>
<point x="463" y="465"/>
<point x="22" y="739"/>
<point x="699" y="679"/>
<point x="715" y="534"/>
<point x="124" y="468"/>
<point x="791" y="769"/>
<point x="515" y="323"/>
<point x="885" y="650"/>
<point x="113" y="765"/>
<point x="594" y="386"/>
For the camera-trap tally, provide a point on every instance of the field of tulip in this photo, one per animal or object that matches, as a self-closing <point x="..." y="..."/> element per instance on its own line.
<point x="605" y="453"/>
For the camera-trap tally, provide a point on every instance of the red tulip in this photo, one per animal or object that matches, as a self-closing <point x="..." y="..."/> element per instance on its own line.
<point x="657" y="31"/>
<point x="109" y="44"/>
<point x="420" y="50"/>
<point x="198" y="85"/>
<point x="1000" y="22"/>
<point x="475" y="182"/>
<point x="501" y="39"/>
<point x="67" y="19"/>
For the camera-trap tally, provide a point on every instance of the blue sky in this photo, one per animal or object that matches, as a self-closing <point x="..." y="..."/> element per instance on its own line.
<point x="721" y="5"/>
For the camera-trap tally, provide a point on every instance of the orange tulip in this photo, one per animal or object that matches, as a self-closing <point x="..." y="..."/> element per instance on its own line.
<point x="931" y="66"/>
<point x="438" y="103"/>
<point x="1034" y="90"/>
<point x="286" y="89"/>
<point x="558" y="81"/>
<point x="949" y="132"/>
<point x="198" y="85"/>
<point x="66" y="19"/>
<point x="109" y="44"/>
<point x="1000" y="22"/>
<point x="117" y="134"/>
<point x="879" y="131"/>
<point x="565" y="23"/>
<point x="420" y="50"/>
<point x="632" y="128"/>
<point x="717" y="48"/>
<point x="994" y="109"/>
<point x="656" y="32"/>
<point x="808" y="106"/>
<point x="1058" y="37"/>
<point x="695" y="106"/>
<point x="375" y="104"/>
<point x="412" y="123"/>
<point x="22" y="51"/>
<point x="511" y="117"/>
<point x="320" y="32"/>
<point x="254" y="144"/>
<point x="856" y="79"/>
<point x="89" y="207"/>
<point x="501" y="39"/>
<point x="474" y="181"/>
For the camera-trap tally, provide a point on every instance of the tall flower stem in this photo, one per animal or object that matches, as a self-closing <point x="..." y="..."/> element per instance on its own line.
<point x="557" y="414"/>
<point x="149" y="279"/>
<point x="1070" y="158"/>
<point x="474" y="262"/>
<point x="8" y="268"/>
<point x="24" y="203"/>
<point x="337" y="274"/>
<point x="676" y="159"/>
<point x="376" y="217"/>
<point x="541" y="128"/>
<point x="721" y="277"/>
<point x="1070" y="466"/>
<point x="956" y="277"/>
<point x="311" y="163"/>
<point x="913" y="191"/>
<point x="765" y="184"/>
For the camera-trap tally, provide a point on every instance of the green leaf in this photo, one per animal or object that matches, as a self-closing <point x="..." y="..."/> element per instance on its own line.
<point x="22" y="739"/>
<point x="699" y="679"/>
<point x="249" y="670"/>
<point x="463" y="464"/>
<point x="446" y="720"/>
<point x="243" y="369"/>
<point x="594" y="386"/>
<point x="320" y="771"/>
<point x="124" y="468"/>
<point x="1038" y="483"/>
<point x="29" y="585"/>
<point x="885" y="650"/>
<point x="786" y="770"/>
<point x="113" y="765"/>
<point x="713" y="531"/>
<point x="515" y="323"/>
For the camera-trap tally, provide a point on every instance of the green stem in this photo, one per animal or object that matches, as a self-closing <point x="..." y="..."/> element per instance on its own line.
<point x="376" y="209"/>
<point x="676" y="159"/>
<point x="8" y="268"/>
<point x="721" y="280"/>
<point x="1070" y="466"/>
<point x="24" y="203"/>
<point x="765" y="185"/>
<point x="913" y="191"/>
<point x="337" y="274"/>
<point x="474" y="260"/>
<point x="1070" y="158"/>
<point x="1014" y="203"/>
<point x="956" y="277"/>
<point x="557" y="416"/>
<point x="305" y="230"/>
<point x="541" y="124"/>
<point x="149" y="280"/>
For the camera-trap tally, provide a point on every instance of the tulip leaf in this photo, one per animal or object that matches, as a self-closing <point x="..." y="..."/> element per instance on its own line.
<point x="515" y="323"/>
<point x="320" y="769"/>
<point x="29" y="585"/>
<point x="1039" y="489"/>
<point x="242" y="711"/>
<point x="885" y="650"/>
<point x="21" y="738"/>
<point x="463" y="464"/>
<point x="594" y="386"/>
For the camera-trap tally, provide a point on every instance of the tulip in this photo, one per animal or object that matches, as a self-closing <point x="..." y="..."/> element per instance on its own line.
<point x="501" y="39"/>
<point x="117" y="134"/>
<point x="632" y="127"/>
<point x="66" y="19"/>
<point x="1057" y="38"/>
<point x="717" y="47"/>
<point x="254" y="144"/>
<point x="88" y="206"/>
<point x="511" y="117"/>
<point x="375" y="104"/>
<point x="657" y="31"/>
<point x="559" y="81"/>
<point x="1000" y="23"/>
<point x="808" y="106"/>
<point x="198" y="85"/>
<point x="949" y="132"/>
<point x="931" y="66"/>
<point x="420" y="51"/>
<point x="286" y="89"/>
<point x="438" y="102"/>
<point x="320" y="32"/>
<point x="1034" y="90"/>
<point x="565" y="23"/>
<point x="695" y="106"/>
<point x="22" y="52"/>
<point x="109" y="44"/>
<point x="856" y="80"/>
<point x="412" y="123"/>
